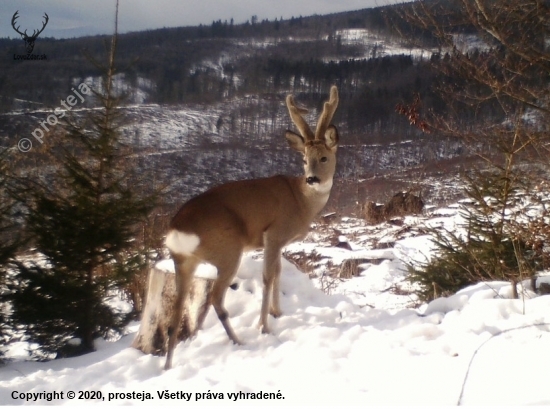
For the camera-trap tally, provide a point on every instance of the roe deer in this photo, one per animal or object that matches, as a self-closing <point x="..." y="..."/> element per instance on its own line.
<point x="218" y="225"/>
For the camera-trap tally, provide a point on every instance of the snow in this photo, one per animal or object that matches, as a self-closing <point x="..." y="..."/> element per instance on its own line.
<point x="360" y="345"/>
<point x="203" y="270"/>
<point x="138" y="93"/>
<point x="378" y="45"/>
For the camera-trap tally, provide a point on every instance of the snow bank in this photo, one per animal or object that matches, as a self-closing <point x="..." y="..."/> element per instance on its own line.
<point x="324" y="350"/>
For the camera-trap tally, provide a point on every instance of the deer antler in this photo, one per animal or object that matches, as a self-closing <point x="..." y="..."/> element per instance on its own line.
<point x="34" y="33"/>
<point x="328" y="112"/>
<point x="299" y="121"/>
<point x="15" y="17"/>
<point x="46" y="19"/>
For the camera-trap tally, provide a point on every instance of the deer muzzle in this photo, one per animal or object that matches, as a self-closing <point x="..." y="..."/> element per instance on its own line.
<point x="311" y="180"/>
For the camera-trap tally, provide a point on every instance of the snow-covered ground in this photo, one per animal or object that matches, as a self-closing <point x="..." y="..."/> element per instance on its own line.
<point x="379" y="45"/>
<point x="477" y="347"/>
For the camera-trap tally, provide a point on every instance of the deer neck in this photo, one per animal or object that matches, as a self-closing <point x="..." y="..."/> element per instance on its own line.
<point x="315" y="196"/>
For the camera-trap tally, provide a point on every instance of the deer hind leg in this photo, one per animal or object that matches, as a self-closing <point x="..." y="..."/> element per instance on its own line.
<point x="271" y="273"/>
<point x="185" y="266"/>
<point x="226" y="271"/>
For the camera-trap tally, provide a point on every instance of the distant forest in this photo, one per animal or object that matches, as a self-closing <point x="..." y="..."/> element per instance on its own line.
<point x="224" y="61"/>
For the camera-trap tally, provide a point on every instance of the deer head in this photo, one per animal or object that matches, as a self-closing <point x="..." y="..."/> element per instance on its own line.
<point x="319" y="148"/>
<point x="29" y="40"/>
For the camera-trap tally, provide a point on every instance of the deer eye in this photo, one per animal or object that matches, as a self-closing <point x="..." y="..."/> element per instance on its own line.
<point x="324" y="159"/>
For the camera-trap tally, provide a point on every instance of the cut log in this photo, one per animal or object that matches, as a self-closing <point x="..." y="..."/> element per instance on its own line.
<point x="152" y="337"/>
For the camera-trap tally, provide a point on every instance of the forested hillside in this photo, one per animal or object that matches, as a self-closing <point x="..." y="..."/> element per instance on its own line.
<point x="206" y="104"/>
<point x="358" y="51"/>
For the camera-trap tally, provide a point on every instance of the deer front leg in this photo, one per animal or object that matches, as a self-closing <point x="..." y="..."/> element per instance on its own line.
<point x="275" y="309"/>
<point x="271" y="273"/>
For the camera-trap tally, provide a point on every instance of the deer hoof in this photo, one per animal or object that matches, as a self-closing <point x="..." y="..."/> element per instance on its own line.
<point x="275" y="313"/>
<point x="237" y="342"/>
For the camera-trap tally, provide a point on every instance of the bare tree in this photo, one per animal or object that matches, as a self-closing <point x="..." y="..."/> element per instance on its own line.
<point x="493" y="62"/>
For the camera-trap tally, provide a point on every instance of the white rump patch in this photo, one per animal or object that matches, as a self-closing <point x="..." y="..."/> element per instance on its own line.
<point x="182" y="243"/>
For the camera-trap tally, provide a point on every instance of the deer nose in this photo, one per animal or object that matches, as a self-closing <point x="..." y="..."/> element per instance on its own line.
<point x="312" y="179"/>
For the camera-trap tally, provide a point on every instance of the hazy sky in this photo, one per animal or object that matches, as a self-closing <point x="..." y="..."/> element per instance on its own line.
<point x="70" y="18"/>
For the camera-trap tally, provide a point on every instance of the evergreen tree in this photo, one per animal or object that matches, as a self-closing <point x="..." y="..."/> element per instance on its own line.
<point x="486" y="246"/>
<point x="83" y="223"/>
<point x="9" y="242"/>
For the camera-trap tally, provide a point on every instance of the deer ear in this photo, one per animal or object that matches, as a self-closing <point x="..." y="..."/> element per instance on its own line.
<point x="331" y="137"/>
<point x="295" y="141"/>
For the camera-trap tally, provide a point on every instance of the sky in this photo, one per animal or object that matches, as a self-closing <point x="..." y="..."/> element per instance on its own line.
<point x="71" y="18"/>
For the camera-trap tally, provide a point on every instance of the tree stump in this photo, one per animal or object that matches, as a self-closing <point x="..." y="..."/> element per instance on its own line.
<point x="350" y="267"/>
<point x="152" y="337"/>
